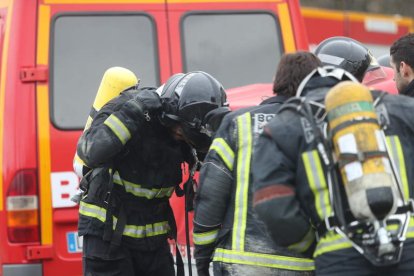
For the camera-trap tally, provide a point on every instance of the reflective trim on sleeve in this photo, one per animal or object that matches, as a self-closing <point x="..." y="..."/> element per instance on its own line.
<point x="118" y="128"/>
<point x="331" y="242"/>
<point x="397" y="156"/>
<point x="92" y="211"/>
<point x="305" y="243"/>
<point x="224" y="151"/>
<point x="139" y="191"/>
<point x="261" y="259"/>
<point x="205" y="237"/>
<point x="317" y="183"/>
<point x="244" y="152"/>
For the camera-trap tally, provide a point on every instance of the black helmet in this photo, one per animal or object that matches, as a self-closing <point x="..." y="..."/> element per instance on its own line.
<point x="191" y="99"/>
<point x="348" y="54"/>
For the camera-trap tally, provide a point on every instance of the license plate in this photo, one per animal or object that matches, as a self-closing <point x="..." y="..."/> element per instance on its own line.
<point x="74" y="242"/>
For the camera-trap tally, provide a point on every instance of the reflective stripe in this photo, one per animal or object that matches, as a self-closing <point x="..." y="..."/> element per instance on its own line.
<point x="261" y="259"/>
<point x="242" y="185"/>
<point x="138" y="191"/>
<point x="148" y="230"/>
<point x="206" y="237"/>
<point x="118" y="128"/>
<point x="93" y="211"/>
<point x="305" y="243"/>
<point x="134" y="231"/>
<point x="317" y="183"/>
<point x="410" y="231"/>
<point x="224" y="151"/>
<point x="331" y="242"/>
<point x="397" y="156"/>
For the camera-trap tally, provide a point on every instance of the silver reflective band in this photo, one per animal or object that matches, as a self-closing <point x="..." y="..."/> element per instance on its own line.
<point x="317" y="183"/>
<point x="137" y="190"/>
<point x="332" y="60"/>
<point x="206" y="237"/>
<point x="224" y="151"/>
<point x="244" y="132"/>
<point x="148" y="230"/>
<point x="93" y="211"/>
<point x="305" y="243"/>
<point x="118" y="128"/>
<point x="261" y="259"/>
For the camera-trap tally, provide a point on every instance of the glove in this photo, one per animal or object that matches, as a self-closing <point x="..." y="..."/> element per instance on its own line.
<point x="203" y="266"/>
<point x="149" y="100"/>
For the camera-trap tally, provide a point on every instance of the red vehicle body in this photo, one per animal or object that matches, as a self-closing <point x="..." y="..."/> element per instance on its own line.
<point x="376" y="31"/>
<point x="53" y="55"/>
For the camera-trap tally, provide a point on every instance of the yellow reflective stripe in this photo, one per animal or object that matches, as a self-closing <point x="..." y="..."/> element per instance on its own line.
<point x="148" y="230"/>
<point x="331" y="242"/>
<point x="118" y="128"/>
<point x="305" y="243"/>
<point x="138" y="191"/>
<point x="205" y="237"/>
<point x="242" y="184"/>
<point x="134" y="231"/>
<point x="397" y="155"/>
<point x="410" y="231"/>
<point x="93" y="211"/>
<point x="317" y="183"/>
<point x="224" y="151"/>
<point x="261" y="259"/>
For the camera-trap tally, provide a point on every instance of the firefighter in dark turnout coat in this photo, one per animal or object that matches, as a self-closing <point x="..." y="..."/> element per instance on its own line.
<point x="136" y="145"/>
<point x="224" y="221"/>
<point x="288" y="170"/>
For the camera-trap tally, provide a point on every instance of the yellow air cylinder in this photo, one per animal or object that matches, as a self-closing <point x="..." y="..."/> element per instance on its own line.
<point x="114" y="81"/>
<point x="359" y="149"/>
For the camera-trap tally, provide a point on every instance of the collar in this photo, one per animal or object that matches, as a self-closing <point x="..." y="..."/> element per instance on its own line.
<point x="275" y="99"/>
<point x="409" y="90"/>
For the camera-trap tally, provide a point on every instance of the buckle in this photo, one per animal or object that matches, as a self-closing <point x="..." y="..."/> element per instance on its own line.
<point x="330" y="223"/>
<point x="107" y="197"/>
<point x="411" y="206"/>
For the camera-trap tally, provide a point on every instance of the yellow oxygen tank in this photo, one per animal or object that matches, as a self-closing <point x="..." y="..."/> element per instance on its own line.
<point x="360" y="150"/>
<point x="114" y="81"/>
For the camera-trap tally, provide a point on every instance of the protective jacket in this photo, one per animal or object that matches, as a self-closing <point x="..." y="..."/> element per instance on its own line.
<point x="288" y="171"/>
<point x="409" y="90"/>
<point x="224" y="221"/>
<point x="137" y="167"/>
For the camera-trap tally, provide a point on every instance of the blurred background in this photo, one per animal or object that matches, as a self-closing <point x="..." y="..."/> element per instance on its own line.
<point x="376" y="23"/>
<point x="398" y="7"/>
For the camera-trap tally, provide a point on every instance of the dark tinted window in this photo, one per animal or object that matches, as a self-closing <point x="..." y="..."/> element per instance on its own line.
<point x="236" y="48"/>
<point x="84" y="47"/>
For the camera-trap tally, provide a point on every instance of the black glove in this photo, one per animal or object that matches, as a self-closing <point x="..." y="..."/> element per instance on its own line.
<point x="149" y="100"/>
<point x="203" y="266"/>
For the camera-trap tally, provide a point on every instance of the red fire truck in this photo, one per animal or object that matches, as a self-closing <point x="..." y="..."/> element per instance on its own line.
<point x="376" y="31"/>
<point x="53" y="55"/>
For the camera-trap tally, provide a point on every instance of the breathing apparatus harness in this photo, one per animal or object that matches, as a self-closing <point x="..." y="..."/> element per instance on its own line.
<point x="380" y="241"/>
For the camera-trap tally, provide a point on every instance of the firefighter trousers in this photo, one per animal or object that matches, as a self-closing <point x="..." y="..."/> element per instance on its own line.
<point x="99" y="258"/>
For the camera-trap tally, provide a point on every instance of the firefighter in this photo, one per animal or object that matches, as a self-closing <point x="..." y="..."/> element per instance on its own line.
<point x="402" y="62"/>
<point x="224" y="223"/>
<point x="293" y="169"/>
<point x="136" y="145"/>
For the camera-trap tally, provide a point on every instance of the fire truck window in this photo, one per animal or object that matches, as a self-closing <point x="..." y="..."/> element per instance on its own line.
<point x="236" y="48"/>
<point x="84" y="47"/>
